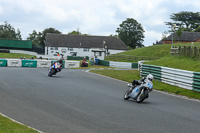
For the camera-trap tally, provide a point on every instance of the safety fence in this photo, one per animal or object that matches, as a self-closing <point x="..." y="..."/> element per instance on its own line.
<point x="118" y="64"/>
<point x="181" y="78"/>
<point x="36" y="63"/>
<point x="67" y="63"/>
<point x="25" y="44"/>
<point x="76" y="58"/>
<point x="188" y="51"/>
<point x="128" y="58"/>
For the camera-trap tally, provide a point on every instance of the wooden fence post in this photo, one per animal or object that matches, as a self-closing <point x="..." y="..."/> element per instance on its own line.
<point x="195" y="52"/>
<point x="179" y="50"/>
<point x="189" y="51"/>
<point x="184" y="50"/>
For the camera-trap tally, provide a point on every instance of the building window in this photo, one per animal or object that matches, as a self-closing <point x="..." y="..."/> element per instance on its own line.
<point x="63" y="50"/>
<point x="70" y="49"/>
<point x="54" y="48"/>
<point x="86" y="49"/>
<point x="98" y="53"/>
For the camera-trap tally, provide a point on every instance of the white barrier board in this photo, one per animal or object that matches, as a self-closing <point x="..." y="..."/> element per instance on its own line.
<point x="14" y="62"/>
<point x="72" y="64"/>
<point x="43" y="63"/>
<point x="120" y="64"/>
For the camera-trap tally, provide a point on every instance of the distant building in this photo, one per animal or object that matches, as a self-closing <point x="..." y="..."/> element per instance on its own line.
<point x="83" y="45"/>
<point x="186" y="37"/>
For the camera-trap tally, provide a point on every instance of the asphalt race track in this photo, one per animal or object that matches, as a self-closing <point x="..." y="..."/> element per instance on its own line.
<point x="75" y="101"/>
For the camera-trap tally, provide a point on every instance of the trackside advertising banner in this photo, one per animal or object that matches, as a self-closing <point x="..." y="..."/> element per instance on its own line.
<point x="29" y="63"/>
<point x="43" y="63"/>
<point x="3" y="63"/>
<point x="14" y="62"/>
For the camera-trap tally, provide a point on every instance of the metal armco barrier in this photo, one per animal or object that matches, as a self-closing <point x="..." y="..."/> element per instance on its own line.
<point x="181" y="78"/>
<point x="104" y="63"/>
<point x="14" y="62"/>
<point x="177" y="77"/>
<point x="151" y="69"/>
<point x="118" y="64"/>
<point x="29" y="63"/>
<point x="43" y="63"/>
<point x="36" y="63"/>
<point x="72" y="64"/>
<point x="3" y="63"/>
<point x="196" y="83"/>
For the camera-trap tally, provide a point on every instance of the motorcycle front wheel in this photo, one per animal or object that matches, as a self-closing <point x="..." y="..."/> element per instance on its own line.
<point x="51" y="73"/>
<point x="142" y="96"/>
<point x="126" y="95"/>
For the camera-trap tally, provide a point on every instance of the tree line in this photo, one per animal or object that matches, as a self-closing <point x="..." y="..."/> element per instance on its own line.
<point x="183" y="21"/>
<point x="129" y="31"/>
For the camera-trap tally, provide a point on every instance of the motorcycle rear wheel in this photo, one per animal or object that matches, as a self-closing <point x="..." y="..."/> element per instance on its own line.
<point x="126" y="95"/>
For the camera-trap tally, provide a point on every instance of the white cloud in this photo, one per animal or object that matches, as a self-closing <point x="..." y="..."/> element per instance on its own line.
<point x="194" y="3"/>
<point x="151" y="37"/>
<point x="99" y="17"/>
<point x="1" y="10"/>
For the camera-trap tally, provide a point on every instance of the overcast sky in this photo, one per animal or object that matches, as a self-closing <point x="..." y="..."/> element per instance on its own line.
<point x="94" y="17"/>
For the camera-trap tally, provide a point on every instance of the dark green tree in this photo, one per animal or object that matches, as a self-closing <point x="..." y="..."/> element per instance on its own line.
<point x="164" y="35"/>
<point x="114" y="35"/>
<point x="74" y="33"/>
<point x="44" y="33"/>
<point x="8" y="32"/>
<point x="39" y="38"/>
<point x="197" y="29"/>
<point x="35" y="37"/>
<point x="187" y="21"/>
<point x="179" y="32"/>
<point x="131" y="33"/>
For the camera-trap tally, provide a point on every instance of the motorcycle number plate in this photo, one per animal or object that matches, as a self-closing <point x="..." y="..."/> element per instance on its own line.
<point x="150" y="85"/>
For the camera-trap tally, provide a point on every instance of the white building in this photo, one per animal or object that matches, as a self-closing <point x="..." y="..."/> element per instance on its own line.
<point x="83" y="45"/>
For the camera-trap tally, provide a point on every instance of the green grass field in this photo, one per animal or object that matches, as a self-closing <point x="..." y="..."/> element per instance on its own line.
<point x="166" y="59"/>
<point x="9" y="126"/>
<point x="16" y="55"/>
<point x="177" y="62"/>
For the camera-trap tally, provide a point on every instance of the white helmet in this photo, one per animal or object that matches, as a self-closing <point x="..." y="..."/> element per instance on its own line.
<point x="150" y="77"/>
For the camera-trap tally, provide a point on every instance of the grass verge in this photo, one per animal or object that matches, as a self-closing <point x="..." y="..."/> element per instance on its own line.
<point x="16" y="55"/>
<point x="178" y="62"/>
<point x="130" y="75"/>
<point x="9" y="126"/>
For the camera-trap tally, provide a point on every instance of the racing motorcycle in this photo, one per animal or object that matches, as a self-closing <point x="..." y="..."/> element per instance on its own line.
<point x="139" y="92"/>
<point x="84" y="64"/>
<point x="56" y="67"/>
